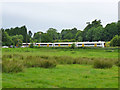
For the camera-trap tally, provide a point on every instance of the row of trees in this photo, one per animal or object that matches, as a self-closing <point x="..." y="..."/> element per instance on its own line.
<point x="15" y="36"/>
<point x="92" y="32"/>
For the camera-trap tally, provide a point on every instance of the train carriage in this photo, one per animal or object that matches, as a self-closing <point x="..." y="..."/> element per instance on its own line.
<point x="68" y="44"/>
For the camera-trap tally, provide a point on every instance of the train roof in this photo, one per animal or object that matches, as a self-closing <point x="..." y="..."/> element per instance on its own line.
<point x="68" y="42"/>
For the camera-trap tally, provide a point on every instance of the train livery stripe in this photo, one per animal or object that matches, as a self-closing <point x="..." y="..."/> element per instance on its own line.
<point x="95" y="45"/>
<point x="59" y="45"/>
<point x="47" y="45"/>
<point x="82" y="45"/>
<point x="69" y="45"/>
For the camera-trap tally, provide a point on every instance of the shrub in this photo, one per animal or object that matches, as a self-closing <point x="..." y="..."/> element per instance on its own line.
<point x="103" y="64"/>
<point x="7" y="56"/>
<point x="73" y="46"/>
<point x="10" y="66"/>
<point x="64" y="59"/>
<point x="31" y="45"/>
<point x="39" y="62"/>
<point x="117" y="63"/>
<point x="115" y="41"/>
<point x="83" y="60"/>
<point x="48" y="63"/>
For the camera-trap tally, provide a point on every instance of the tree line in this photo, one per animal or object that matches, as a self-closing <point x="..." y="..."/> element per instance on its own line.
<point x="94" y="31"/>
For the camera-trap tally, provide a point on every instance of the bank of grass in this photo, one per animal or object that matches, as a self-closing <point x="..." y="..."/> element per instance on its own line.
<point x="16" y="63"/>
<point x="63" y="76"/>
<point x="82" y="52"/>
<point x="27" y="58"/>
<point x="72" y="68"/>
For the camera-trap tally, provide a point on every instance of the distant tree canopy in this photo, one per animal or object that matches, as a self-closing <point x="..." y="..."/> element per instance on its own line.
<point x="94" y="31"/>
<point x="18" y="31"/>
<point x="10" y="36"/>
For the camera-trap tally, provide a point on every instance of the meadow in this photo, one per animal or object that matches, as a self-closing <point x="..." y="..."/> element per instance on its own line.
<point x="60" y="68"/>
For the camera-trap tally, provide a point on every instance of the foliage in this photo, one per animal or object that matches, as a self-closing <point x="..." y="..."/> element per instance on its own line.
<point x="31" y="45"/>
<point x="103" y="64"/>
<point x="110" y="31"/>
<point x="12" y="66"/>
<point x="115" y="41"/>
<point x="88" y="31"/>
<point x="17" y="39"/>
<point x="68" y="33"/>
<point x="6" y="39"/>
<point x="92" y="32"/>
<point x="118" y="63"/>
<point x="39" y="62"/>
<point x="52" y="33"/>
<point x="73" y="46"/>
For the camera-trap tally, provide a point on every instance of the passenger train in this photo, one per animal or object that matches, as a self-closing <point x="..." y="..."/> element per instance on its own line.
<point x="68" y="44"/>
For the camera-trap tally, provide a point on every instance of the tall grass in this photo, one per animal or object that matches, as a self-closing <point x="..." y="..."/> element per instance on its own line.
<point x="10" y="66"/>
<point x="17" y="62"/>
<point x="103" y="64"/>
<point x="36" y="61"/>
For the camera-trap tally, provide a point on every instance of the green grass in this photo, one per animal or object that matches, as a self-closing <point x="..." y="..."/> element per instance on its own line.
<point x="104" y="53"/>
<point x="63" y="76"/>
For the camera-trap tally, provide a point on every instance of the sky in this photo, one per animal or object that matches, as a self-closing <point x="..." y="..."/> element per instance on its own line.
<point x="40" y="15"/>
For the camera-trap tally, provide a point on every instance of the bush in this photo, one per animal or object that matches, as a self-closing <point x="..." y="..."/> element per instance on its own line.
<point x="31" y="45"/>
<point x="39" y="62"/>
<point x="10" y="66"/>
<point x="103" y="64"/>
<point x="48" y="63"/>
<point x="115" y="41"/>
<point x="73" y="46"/>
<point x="117" y="63"/>
<point x="64" y="59"/>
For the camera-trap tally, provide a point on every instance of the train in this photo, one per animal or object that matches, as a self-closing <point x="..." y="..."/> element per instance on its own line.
<point x="68" y="44"/>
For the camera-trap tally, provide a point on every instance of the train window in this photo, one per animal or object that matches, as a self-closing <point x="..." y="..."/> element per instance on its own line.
<point x="88" y="44"/>
<point x="63" y="44"/>
<point x="98" y="44"/>
<point x="43" y="44"/>
<point x="79" y="44"/>
<point x="56" y="44"/>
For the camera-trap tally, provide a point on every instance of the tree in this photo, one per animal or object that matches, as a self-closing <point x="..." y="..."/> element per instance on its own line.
<point x="110" y="31"/>
<point x="17" y="40"/>
<point x="98" y="33"/>
<point x="89" y="29"/>
<point x="115" y="41"/>
<point x="68" y="33"/>
<point x="52" y="33"/>
<point x="89" y="34"/>
<point x="118" y="27"/>
<point x="78" y="36"/>
<point x="18" y="31"/>
<point x="6" y="39"/>
<point x="30" y="34"/>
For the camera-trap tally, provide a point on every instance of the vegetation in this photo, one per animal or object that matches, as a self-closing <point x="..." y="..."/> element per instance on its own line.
<point x="92" y="32"/>
<point x="59" y="68"/>
<point x="10" y="66"/>
<point x="103" y="64"/>
<point x="115" y="41"/>
<point x="63" y="76"/>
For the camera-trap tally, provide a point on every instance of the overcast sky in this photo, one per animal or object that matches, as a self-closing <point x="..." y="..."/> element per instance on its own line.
<point x="40" y="15"/>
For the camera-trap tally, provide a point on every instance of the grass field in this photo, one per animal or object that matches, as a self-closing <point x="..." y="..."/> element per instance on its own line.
<point x="63" y="75"/>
